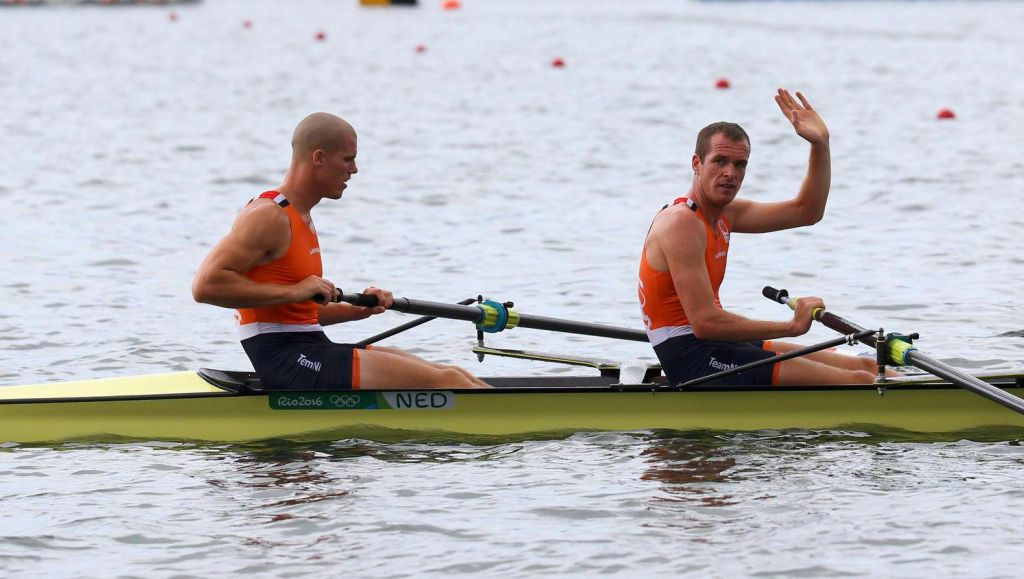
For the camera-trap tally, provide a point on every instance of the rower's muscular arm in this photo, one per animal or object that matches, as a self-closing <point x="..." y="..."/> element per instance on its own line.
<point x="260" y="234"/>
<point x="679" y="242"/>
<point x="808" y="207"/>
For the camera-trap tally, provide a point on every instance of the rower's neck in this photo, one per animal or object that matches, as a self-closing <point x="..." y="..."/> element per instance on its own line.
<point x="301" y="197"/>
<point x="299" y="203"/>
<point x="710" y="211"/>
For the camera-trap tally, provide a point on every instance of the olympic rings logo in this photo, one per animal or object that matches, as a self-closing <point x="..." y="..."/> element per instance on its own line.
<point x="346" y="400"/>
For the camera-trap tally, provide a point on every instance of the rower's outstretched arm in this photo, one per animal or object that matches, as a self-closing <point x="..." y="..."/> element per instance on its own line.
<point x="808" y="207"/>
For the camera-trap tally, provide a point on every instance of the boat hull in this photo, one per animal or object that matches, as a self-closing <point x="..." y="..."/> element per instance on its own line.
<point x="183" y="406"/>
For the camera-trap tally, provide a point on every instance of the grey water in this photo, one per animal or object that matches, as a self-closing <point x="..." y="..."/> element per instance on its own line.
<point x="130" y="140"/>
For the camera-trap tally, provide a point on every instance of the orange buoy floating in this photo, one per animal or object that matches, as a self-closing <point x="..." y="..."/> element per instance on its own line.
<point x="558" y="63"/>
<point x="451" y="5"/>
<point x="723" y="83"/>
<point x="946" y="114"/>
<point x="321" y="35"/>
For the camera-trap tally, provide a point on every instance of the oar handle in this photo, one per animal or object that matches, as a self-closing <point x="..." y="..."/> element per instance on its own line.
<point x="782" y="296"/>
<point x="364" y="300"/>
<point x="826" y="318"/>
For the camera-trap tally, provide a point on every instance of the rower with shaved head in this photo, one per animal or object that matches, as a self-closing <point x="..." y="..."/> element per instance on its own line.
<point x="268" y="267"/>
<point x="683" y="264"/>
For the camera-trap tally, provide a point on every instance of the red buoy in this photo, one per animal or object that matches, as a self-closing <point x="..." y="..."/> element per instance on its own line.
<point x="558" y="63"/>
<point x="247" y="24"/>
<point x="420" y="49"/>
<point x="946" y="114"/>
<point x="451" y="5"/>
<point x="172" y="16"/>
<point x="723" y="83"/>
<point x="321" y="35"/>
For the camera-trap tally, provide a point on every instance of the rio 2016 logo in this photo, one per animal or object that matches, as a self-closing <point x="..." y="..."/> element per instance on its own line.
<point x="346" y="400"/>
<point x="403" y="400"/>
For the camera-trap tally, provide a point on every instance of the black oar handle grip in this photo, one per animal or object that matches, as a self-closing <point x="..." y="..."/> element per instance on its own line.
<point x="364" y="300"/>
<point x="776" y="295"/>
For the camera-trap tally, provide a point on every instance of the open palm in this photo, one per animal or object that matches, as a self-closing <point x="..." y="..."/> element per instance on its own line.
<point x="805" y="119"/>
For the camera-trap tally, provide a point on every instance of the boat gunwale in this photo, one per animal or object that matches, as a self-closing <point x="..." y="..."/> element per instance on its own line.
<point x="650" y="388"/>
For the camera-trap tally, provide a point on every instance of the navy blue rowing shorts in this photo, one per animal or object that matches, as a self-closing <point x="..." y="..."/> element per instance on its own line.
<point x="684" y="358"/>
<point x="303" y="361"/>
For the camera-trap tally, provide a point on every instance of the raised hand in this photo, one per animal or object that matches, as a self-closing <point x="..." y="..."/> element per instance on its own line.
<point x="805" y="119"/>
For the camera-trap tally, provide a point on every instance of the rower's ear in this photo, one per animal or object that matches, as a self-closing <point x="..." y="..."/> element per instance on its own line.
<point x="695" y="162"/>
<point x="319" y="157"/>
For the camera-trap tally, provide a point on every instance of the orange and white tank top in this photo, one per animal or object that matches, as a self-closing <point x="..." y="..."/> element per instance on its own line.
<point x="300" y="261"/>
<point x="660" y="306"/>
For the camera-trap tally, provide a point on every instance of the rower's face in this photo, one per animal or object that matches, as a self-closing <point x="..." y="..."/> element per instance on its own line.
<point x="721" y="173"/>
<point x="338" y="168"/>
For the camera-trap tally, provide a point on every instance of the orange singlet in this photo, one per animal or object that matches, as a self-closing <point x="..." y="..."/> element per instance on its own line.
<point x="300" y="261"/>
<point x="662" y="311"/>
<point x="286" y="344"/>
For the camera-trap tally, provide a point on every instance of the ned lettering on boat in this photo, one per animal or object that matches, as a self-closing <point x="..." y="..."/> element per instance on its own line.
<point x="269" y="268"/>
<point x="684" y="258"/>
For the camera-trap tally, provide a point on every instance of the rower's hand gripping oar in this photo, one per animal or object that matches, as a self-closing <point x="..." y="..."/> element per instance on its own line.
<point x="491" y="316"/>
<point x="902" y="352"/>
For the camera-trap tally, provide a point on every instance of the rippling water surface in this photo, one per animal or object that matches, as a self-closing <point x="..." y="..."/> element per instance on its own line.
<point x="130" y="141"/>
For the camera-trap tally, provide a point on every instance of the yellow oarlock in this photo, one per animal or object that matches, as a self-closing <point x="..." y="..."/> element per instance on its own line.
<point x="898" y="350"/>
<point x="496" y="317"/>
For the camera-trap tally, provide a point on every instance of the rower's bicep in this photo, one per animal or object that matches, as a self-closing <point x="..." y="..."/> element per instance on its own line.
<point x="684" y="249"/>
<point x="255" y="235"/>
<point x="746" y="216"/>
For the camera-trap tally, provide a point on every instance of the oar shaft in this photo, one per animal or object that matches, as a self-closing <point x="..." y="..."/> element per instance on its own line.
<point x="404" y="327"/>
<point x="475" y="314"/>
<point x="585" y="328"/>
<point x="911" y="356"/>
<point x="947" y="372"/>
<point x="421" y="308"/>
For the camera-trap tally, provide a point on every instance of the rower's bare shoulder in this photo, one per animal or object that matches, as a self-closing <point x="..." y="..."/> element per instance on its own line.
<point x="263" y="215"/>
<point x="676" y="237"/>
<point x="262" y="224"/>
<point x="260" y="211"/>
<point x="678" y="221"/>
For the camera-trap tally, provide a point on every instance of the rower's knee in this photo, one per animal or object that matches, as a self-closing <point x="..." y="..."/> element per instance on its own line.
<point x="450" y="377"/>
<point x="868" y="365"/>
<point x="864" y="376"/>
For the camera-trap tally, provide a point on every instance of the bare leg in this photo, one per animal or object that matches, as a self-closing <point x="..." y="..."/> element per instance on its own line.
<point x="384" y="368"/>
<point x="834" y="359"/>
<point x="469" y="375"/>
<point x="804" y="372"/>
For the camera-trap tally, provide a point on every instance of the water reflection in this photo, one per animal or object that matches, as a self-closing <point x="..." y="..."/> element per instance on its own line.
<point x="280" y="478"/>
<point x="282" y="474"/>
<point x="690" y="471"/>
